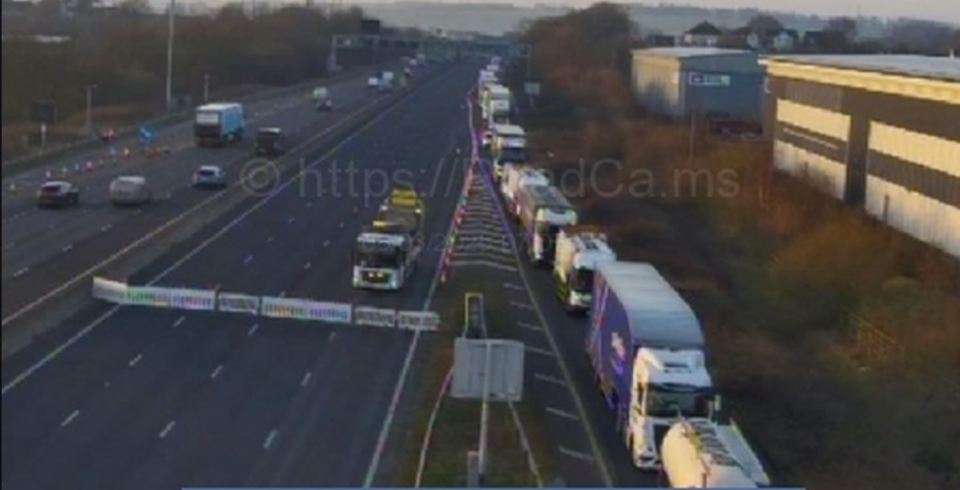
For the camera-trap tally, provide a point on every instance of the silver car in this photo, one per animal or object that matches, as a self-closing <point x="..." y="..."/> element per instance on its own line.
<point x="130" y="190"/>
<point x="209" y="177"/>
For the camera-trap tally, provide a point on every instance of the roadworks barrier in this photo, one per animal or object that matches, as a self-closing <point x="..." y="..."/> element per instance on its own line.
<point x="121" y="293"/>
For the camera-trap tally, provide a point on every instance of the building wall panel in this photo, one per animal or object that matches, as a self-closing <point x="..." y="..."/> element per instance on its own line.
<point x="930" y="151"/>
<point x="917" y="215"/>
<point x="820" y="171"/>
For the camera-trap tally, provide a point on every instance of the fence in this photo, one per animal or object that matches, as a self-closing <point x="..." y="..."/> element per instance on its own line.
<point x="266" y="306"/>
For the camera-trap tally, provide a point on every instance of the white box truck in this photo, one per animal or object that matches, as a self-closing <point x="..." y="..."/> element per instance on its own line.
<point x="646" y="348"/>
<point x="515" y="177"/>
<point x="703" y="453"/>
<point x="580" y="251"/>
<point x="543" y="210"/>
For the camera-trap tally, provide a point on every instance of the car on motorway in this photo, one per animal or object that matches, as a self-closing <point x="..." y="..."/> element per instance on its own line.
<point x="271" y="142"/>
<point x="209" y="177"/>
<point x="373" y="83"/>
<point x="322" y="100"/>
<point x="57" y="193"/>
<point x="130" y="190"/>
<point x="486" y="139"/>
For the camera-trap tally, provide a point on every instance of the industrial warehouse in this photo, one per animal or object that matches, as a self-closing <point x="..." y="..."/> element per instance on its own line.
<point x="679" y="81"/>
<point x="880" y="132"/>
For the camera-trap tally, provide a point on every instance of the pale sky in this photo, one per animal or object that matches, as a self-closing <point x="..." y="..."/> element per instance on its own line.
<point x="944" y="10"/>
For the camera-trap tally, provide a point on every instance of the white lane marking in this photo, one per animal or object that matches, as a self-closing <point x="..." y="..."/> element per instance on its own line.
<point x="575" y="454"/>
<point x="528" y="326"/>
<point x="538" y="350"/>
<point x="562" y="413"/>
<point x="341" y="224"/>
<point x="253" y="329"/>
<point x="21" y="272"/>
<point x="269" y="440"/>
<point x="69" y="418"/>
<point x="290" y="220"/>
<point x="247" y="259"/>
<point x="106" y="227"/>
<point x="332" y="336"/>
<point x="549" y="379"/>
<point x="510" y="285"/>
<point x="283" y="294"/>
<point x="306" y="379"/>
<point x="179" y="321"/>
<point x="524" y="306"/>
<point x="166" y="430"/>
<point x="326" y="243"/>
<point x="269" y="239"/>
<point x="136" y="360"/>
<point x="96" y="322"/>
<point x="216" y="371"/>
<point x="307" y="266"/>
<point x="67" y="248"/>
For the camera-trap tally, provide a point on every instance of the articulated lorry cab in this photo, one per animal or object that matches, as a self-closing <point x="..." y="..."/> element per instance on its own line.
<point x="386" y="252"/>
<point x="647" y="352"/>
<point x="580" y="251"/>
<point x="706" y="453"/>
<point x="543" y="210"/>
<point x="509" y="147"/>
<point x="495" y="103"/>
<point x="515" y="177"/>
<point x="218" y="124"/>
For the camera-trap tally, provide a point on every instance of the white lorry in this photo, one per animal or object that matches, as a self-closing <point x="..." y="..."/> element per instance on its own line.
<point x="516" y="176"/>
<point x="580" y="251"/>
<point x="509" y="145"/>
<point x="646" y="348"/>
<point x="543" y="210"/>
<point x="495" y="104"/>
<point x="704" y="453"/>
<point x="386" y="253"/>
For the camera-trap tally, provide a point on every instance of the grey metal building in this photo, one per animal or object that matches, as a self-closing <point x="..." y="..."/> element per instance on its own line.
<point x="679" y="81"/>
<point x="881" y="132"/>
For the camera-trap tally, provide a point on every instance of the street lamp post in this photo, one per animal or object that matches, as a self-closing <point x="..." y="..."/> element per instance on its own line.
<point x="206" y="87"/>
<point x="88" y="120"/>
<point x="170" y="20"/>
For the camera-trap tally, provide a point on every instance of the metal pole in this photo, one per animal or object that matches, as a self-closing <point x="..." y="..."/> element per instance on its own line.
<point x="88" y="120"/>
<point x="206" y="88"/>
<point x="484" y="418"/>
<point x="170" y="22"/>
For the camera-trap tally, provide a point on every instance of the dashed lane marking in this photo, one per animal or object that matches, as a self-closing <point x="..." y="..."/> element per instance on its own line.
<point x="546" y="378"/>
<point x="562" y="413"/>
<point x="216" y="371"/>
<point x="524" y="306"/>
<point x="306" y="379"/>
<point x="528" y="326"/>
<point x="178" y="321"/>
<point x="166" y="430"/>
<point x="66" y="248"/>
<point x="21" y="272"/>
<point x="538" y="350"/>
<point x="136" y="360"/>
<point x="307" y="266"/>
<point x="253" y="329"/>
<point x="575" y="454"/>
<point x="69" y="418"/>
<point x="268" y="442"/>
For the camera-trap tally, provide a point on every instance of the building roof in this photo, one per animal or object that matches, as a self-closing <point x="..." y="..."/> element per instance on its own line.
<point x="705" y="29"/>
<point x="904" y="65"/>
<point x="691" y="52"/>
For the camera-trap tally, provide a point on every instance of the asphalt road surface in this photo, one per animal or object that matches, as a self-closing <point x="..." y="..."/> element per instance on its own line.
<point x="43" y="248"/>
<point x="156" y="399"/>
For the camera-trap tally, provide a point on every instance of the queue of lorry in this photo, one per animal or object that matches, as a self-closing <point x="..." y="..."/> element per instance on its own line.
<point x="644" y="342"/>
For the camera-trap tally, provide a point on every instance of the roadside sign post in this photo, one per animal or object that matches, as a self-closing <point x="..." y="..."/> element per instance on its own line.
<point x="486" y="370"/>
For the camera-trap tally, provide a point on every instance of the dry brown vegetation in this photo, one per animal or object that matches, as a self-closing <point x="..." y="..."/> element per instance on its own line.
<point x="782" y="276"/>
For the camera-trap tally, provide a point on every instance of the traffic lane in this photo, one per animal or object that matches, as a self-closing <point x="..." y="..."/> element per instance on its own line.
<point x="167" y="173"/>
<point x="33" y="275"/>
<point x="570" y="333"/>
<point x="179" y="132"/>
<point x="120" y="456"/>
<point x="94" y="183"/>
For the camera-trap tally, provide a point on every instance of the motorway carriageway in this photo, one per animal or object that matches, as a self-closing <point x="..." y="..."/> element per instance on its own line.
<point x="147" y="398"/>
<point x="44" y="248"/>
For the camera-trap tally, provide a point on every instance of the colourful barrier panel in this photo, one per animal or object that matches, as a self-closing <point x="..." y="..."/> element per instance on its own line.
<point x="238" y="303"/>
<point x="375" y="317"/>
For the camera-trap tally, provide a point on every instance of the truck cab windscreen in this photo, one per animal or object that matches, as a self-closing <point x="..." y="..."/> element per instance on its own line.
<point x="514" y="155"/>
<point x="377" y="256"/>
<point x="208" y="119"/>
<point x="581" y="281"/>
<point x="666" y="400"/>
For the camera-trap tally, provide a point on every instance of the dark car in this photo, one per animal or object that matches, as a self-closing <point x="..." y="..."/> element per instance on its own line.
<point x="270" y="142"/>
<point x="59" y="193"/>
